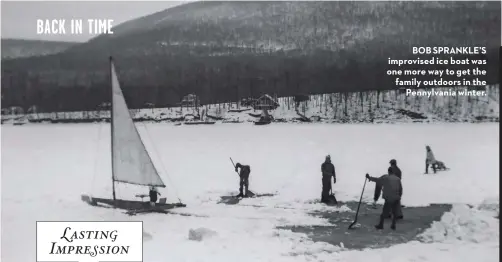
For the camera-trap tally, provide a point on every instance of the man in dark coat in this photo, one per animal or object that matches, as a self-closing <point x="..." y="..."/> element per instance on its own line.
<point x="392" y="192"/>
<point x="395" y="170"/>
<point x="244" y="178"/>
<point x="328" y="171"/>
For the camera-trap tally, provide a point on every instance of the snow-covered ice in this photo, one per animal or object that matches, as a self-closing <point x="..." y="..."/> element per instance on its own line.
<point x="201" y="233"/>
<point x="45" y="169"/>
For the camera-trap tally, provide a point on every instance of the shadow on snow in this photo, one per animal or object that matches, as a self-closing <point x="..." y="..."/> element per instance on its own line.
<point x="416" y="220"/>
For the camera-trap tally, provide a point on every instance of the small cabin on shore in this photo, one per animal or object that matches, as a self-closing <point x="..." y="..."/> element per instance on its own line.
<point x="190" y="100"/>
<point x="265" y="102"/>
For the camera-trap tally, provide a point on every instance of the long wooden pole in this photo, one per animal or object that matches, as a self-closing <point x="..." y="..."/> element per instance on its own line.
<point x="358" y="205"/>
<point x="111" y="124"/>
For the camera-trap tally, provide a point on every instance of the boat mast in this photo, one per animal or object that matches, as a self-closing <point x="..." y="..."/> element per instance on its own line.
<point x="111" y="128"/>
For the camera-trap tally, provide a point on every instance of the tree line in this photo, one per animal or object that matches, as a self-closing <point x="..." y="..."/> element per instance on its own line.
<point x="78" y="82"/>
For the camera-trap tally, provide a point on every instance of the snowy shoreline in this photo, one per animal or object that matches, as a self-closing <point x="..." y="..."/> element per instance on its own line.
<point x="299" y="123"/>
<point x="36" y="120"/>
<point x="392" y="106"/>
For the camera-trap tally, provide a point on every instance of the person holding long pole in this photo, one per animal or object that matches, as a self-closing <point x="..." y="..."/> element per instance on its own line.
<point x="392" y="193"/>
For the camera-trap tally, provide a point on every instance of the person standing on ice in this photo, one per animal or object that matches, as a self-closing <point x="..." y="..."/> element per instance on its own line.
<point x="328" y="171"/>
<point x="429" y="160"/>
<point x="392" y="192"/>
<point x="394" y="169"/>
<point x="244" y="178"/>
<point x="153" y="195"/>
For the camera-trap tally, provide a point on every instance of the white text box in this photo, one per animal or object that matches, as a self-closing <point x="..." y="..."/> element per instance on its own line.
<point x="90" y="241"/>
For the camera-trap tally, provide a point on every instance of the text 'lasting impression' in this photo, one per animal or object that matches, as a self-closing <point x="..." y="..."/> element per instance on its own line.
<point x="90" y="241"/>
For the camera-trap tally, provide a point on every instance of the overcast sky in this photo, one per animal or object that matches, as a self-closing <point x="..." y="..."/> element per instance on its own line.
<point x="19" y="19"/>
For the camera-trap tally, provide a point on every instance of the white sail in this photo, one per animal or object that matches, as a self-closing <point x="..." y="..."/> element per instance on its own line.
<point x="131" y="162"/>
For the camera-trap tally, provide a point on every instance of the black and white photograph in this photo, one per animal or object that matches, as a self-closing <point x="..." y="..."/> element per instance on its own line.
<point x="252" y="131"/>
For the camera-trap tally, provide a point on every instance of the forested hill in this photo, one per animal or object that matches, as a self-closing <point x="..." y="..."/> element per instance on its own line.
<point x="225" y="50"/>
<point x="15" y="48"/>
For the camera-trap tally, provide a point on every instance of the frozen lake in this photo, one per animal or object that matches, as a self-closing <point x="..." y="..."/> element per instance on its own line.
<point x="45" y="169"/>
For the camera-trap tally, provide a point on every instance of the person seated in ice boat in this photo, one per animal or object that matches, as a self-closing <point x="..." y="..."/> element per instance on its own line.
<point x="153" y="195"/>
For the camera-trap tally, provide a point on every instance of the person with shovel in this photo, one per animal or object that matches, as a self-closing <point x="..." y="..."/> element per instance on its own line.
<point x="328" y="171"/>
<point x="244" y="178"/>
<point x="392" y="193"/>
